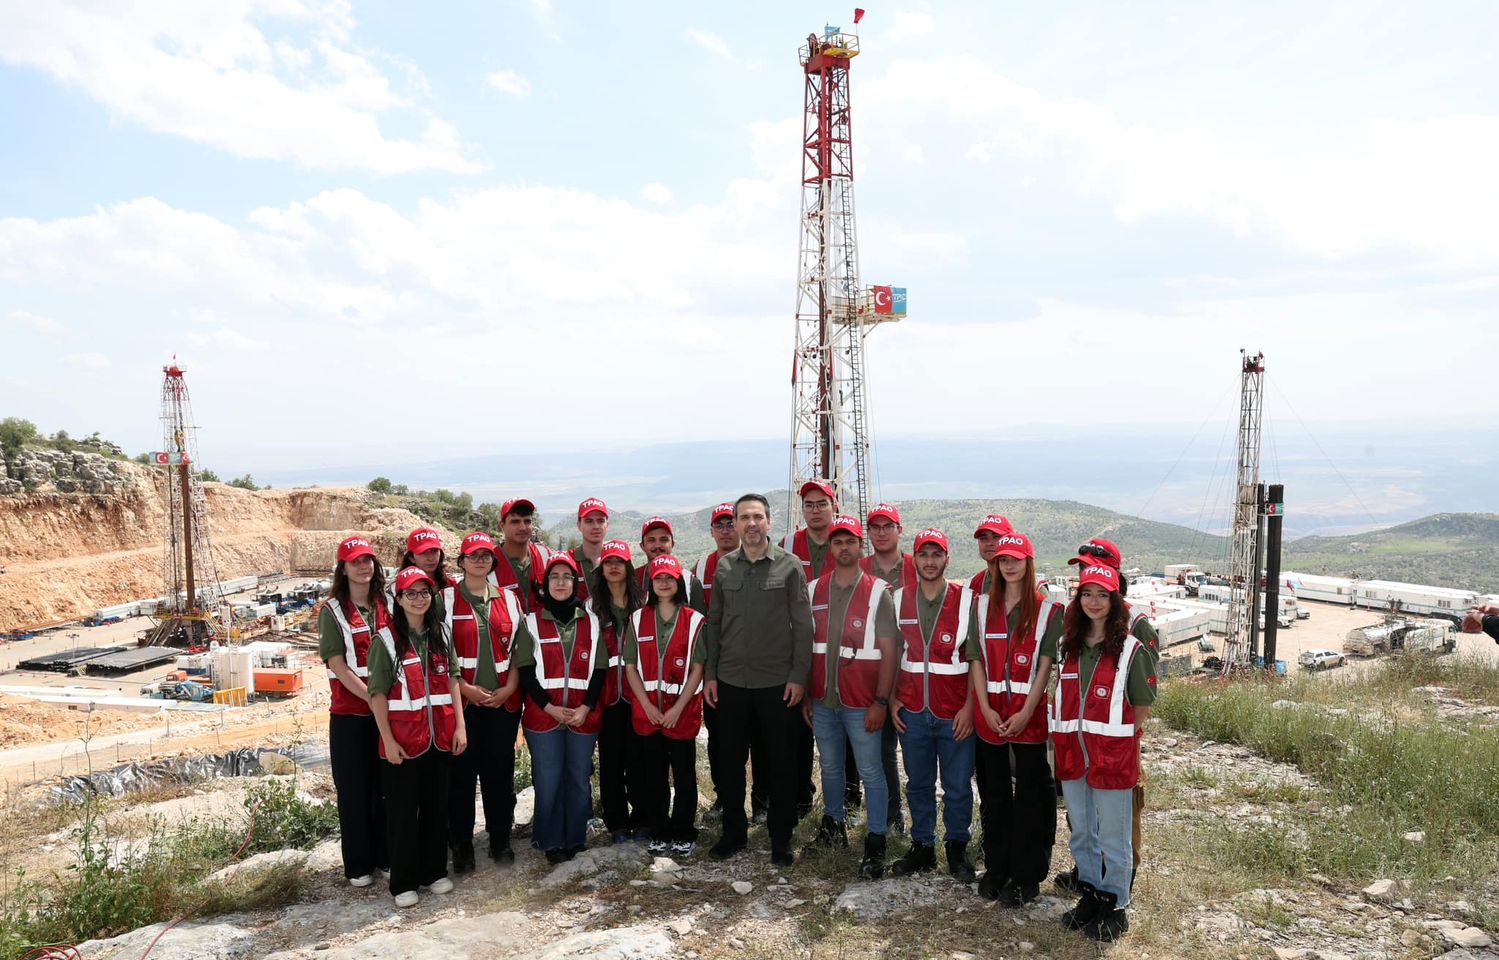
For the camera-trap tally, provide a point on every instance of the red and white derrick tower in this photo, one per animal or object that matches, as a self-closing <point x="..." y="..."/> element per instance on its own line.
<point x="834" y="311"/>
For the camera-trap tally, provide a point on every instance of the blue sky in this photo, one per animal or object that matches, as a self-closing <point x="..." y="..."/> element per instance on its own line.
<point x="376" y="232"/>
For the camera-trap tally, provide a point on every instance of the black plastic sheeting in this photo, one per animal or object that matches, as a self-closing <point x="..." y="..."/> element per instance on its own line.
<point x="131" y="777"/>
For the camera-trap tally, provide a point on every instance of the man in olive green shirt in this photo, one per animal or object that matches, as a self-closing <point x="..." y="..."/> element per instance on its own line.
<point x="759" y="645"/>
<point x="843" y="720"/>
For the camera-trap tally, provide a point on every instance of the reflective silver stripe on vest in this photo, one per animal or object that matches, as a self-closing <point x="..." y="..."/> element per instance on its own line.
<point x="1115" y="725"/>
<point x="351" y="655"/>
<point x="563" y="682"/>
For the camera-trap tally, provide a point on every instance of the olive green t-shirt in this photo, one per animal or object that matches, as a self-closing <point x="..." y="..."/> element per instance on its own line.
<point x="884" y="628"/>
<point x="894" y="575"/>
<point x="973" y="648"/>
<point x="521" y="568"/>
<point x="383" y="669"/>
<point x="819" y="554"/>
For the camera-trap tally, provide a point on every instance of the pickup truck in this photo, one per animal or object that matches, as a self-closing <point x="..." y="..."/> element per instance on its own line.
<point x="1320" y="659"/>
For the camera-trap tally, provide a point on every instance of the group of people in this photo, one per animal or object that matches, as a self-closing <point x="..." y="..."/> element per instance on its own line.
<point x="774" y="648"/>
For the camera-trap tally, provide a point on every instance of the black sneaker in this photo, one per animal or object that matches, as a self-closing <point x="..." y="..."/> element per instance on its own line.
<point x="873" y="865"/>
<point x="1109" y="922"/>
<point x="725" y="848"/>
<point x="463" y="859"/>
<point x="830" y="833"/>
<point x="921" y="857"/>
<point x="957" y="861"/>
<point x="782" y="857"/>
<point x="502" y="856"/>
<point x="991" y="883"/>
<point x="1067" y="881"/>
<point x="1014" y="894"/>
<point x="1087" y="909"/>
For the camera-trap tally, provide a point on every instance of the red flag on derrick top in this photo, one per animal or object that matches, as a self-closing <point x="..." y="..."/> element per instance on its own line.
<point x="858" y="14"/>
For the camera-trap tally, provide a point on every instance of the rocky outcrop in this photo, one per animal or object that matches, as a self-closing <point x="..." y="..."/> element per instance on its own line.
<point x="63" y="472"/>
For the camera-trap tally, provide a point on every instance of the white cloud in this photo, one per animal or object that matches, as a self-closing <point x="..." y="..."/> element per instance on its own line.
<point x="91" y="360"/>
<point x="510" y="82"/>
<point x="656" y="193"/>
<point x="35" y="321"/>
<point x="909" y="24"/>
<point x="711" y="42"/>
<point x="209" y="73"/>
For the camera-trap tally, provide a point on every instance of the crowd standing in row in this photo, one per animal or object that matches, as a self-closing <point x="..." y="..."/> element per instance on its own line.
<point x="772" y="648"/>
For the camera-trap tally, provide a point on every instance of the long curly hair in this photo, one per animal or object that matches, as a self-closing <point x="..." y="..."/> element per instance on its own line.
<point x="1076" y="626"/>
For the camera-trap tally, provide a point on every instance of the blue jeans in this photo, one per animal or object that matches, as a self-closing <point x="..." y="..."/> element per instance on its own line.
<point x="833" y="730"/>
<point x="1102" y="821"/>
<point x="927" y="745"/>
<point x="560" y="762"/>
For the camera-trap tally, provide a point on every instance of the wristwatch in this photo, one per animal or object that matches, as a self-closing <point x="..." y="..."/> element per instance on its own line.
<point x="882" y="701"/>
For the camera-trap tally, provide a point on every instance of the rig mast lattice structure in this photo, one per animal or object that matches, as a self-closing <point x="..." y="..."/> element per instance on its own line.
<point x="185" y="615"/>
<point x="1243" y="602"/>
<point x="830" y="412"/>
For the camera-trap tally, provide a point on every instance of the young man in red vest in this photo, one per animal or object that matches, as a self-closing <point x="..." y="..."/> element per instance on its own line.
<point x="1105" y="553"/>
<point x="855" y="646"/>
<point x="522" y="563"/>
<point x="726" y="541"/>
<point x="810" y="543"/>
<point x="658" y="540"/>
<point x="593" y="526"/>
<point x="897" y="569"/>
<point x="988" y="534"/>
<point x="935" y="710"/>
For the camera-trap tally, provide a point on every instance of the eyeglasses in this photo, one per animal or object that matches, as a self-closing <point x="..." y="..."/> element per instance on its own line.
<point x="817" y="504"/>
<point x="1094" y="550"/>
<point x="723" y="524"/>
<point x="560" y="578"/>
<point x="418" y="594"/>
<point x="483" y="556"/>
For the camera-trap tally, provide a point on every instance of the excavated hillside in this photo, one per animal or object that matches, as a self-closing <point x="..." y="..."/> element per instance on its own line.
<point x="66" y="554"/>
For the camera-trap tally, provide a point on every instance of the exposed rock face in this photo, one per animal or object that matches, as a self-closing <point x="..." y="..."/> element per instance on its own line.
<point x="67" y="553"/>
<point x="75" y="472"/>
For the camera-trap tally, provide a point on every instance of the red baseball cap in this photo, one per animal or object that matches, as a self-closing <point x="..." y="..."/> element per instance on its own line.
<point x="511" y="504"/>
<point x="423" y="539"/>
<point x="592" y="505"/>
<point x="1101" y="575"/>
<point x="476" y="541"/>
<point x="1098" y="551"/>
<point x="614" y="550"/>
<point x="884" y="510"/>
<point x="563" y="558"/>
<point x="931" y="535"/>
<point x="1015" y="545"/>
<point x="722" y="510"/>
<point x="654" y="522"/>
<point x="822" y="485"/>
<point x="352" y="548"/>
<point x="843" y="523"/>
<point x="994" y="524"/>
<point x="665" y="565"/>
<point x="410" y="575"/>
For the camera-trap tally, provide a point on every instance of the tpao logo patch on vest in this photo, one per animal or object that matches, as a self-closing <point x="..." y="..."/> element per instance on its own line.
<point x="1022" y="659"/>
<point x="947" y="638"/>
<point x="1101" y="691"/>
<point x="858" y="624"/>
<point x="681" y="662"/>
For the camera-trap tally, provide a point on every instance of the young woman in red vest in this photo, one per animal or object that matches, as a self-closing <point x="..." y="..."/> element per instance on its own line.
<point x="483" y="621"/>
<point x="1012" y="643"/>
<point x="354" y="613"/>
<point x="613" y="595"/>
<point x="664" y="663"/>
<point x="564" y="665"/>
<point x="412" y="692"/>
<point x="424" y="551"/>
<point x="1105" y="689"/>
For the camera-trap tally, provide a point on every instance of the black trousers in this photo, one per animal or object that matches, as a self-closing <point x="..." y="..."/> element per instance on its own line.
<point x="489" y="761"/>
<point x="622" y="772"/>
<point x="742" y="713"/>
<point x="671" y="768"/>
<point x="889" y="739"/>
<point x="416" y="822"/>
<point x="353" y="754"/>
<point x="1019" y="815"/>
<point x="758" y="801"/>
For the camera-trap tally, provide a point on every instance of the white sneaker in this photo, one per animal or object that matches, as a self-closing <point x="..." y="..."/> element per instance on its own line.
<point x="407" y="899"/>
<point x="441" y="885"/>
<point x="381" y="873"/>
<point x="363" y="881"/>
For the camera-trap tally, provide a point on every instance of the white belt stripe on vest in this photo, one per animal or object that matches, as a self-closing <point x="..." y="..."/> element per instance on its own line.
<point x="1115" y="725"/>
<point x="404" y="703"/>
<point x="870" y="650"/>
<point x="965" y="607"/>
<point x="557" y="683"/>
<point x="351" y="656"/>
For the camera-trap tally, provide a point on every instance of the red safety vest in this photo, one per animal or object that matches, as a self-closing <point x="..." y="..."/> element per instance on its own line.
<point x="667" y="687"/>
<point x="933" y="673"/>
<point x="801" y="548"/>
<point x="1093" y="730"/>
<point x="705" y="571"/>
<point x="564" y="679"/>
<point x="356" y="652"/>
<point x="1010" y="666"/>
<point x="615" y="687"/>
<point x="976" y="582"/>
<point x="503" y="576"/>
<point x="504" y="619"/>
<point x="420" y="704"/>
<point x="858" y="651"/>
<point x="687" y="580"/>
<point x="907" y="568"/>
